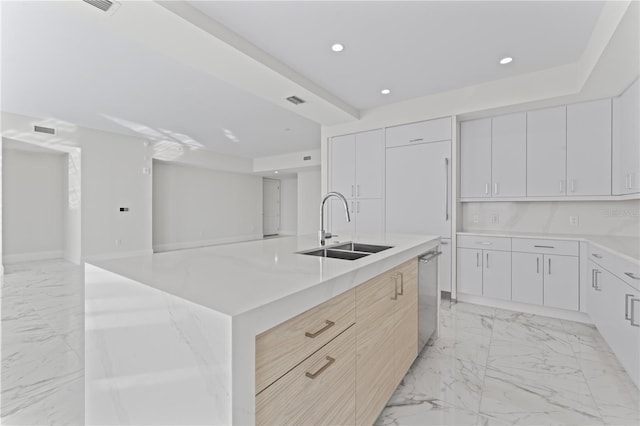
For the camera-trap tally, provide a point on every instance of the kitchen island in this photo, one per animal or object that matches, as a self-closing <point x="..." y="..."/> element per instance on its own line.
<point x="171" y="337"/>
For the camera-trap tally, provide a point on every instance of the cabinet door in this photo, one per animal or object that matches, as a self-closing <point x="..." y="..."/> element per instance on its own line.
<point x="589" y="148"/>
<point x="469" y="271"/>
<point x="375" y="352"/>
<point x="444" y="268"/>
<point x="406" y="326"/>
<point x="509" y="155"/>
<point x="343" y="163"/>
<point x="369" y="216"/>
<point x="418" y="197"/>
<point x="546" y="152"/>
<point x="475" y="158"/>
<point x="496" y="274"/>
<point x="561" y="284"/>
<point x="369" y="164"/>
<point x="594" y="303"/>
<point x="626" y="141"/>
<point x="339" y="224"/>
<point x="526" y="285"/>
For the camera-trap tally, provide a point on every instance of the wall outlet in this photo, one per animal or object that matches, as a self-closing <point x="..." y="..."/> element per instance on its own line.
<point x="476" y="218"/>
<point x="118" y="242"/>
<point x="495" y="219"/>
<point x="573" y="220"/>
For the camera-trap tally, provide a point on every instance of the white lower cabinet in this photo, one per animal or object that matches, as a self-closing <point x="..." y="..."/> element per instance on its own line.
<point x="526" y="286"/>
<point x="614" y="307"/>
<point x="445" y="265"/>
<point x="561" y="282"/>
<point x="484" y="273"/>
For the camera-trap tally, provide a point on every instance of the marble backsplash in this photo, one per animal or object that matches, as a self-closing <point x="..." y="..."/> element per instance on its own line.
<point x="620" y="218"/>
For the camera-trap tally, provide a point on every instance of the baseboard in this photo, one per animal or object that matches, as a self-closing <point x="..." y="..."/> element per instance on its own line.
<point x="526" y="308"/>
<point x="158" y="248"/>
<point x="30" y="257"/>
<point x="108" y="256"/>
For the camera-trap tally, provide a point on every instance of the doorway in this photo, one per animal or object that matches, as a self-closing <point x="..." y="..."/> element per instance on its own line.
<point x="270" y="207"/>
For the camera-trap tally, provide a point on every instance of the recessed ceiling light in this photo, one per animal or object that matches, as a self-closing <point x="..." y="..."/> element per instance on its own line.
<point x="385" y="91"/>
<point x="506" y="60"/>
<point x="337" y="47"/>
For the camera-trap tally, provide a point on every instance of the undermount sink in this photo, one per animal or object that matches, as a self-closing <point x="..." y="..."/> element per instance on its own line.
<point x="346" y="251"/>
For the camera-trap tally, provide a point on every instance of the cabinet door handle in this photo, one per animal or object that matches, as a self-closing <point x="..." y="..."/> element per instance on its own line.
<point x="537" y="265"/>
<point x="477" y="259"/>
<point x="593" y="278"/>
<point x="415" y="140"/>
<point x="401" y="276"/>
<point x="487" y="260"/>
<point x="596" y="255"/>
<point x="324" y="367"/>
<point x="446" y="189"/>
<point x="549" y="271"/>
<point x="357" y="190"/>
<point x="632" y="275"/>
<point x="549" y="247"/>
<point x="352" y="190"/>
<point x="328" y="325"/>
<point x="495" y="188"/>
<point x="395" y="287"/>
<point x="357" y="206"/>
<point x="596" y="280"/>
<point x="633" y="313"/>
<point x="573" y="185"/>
<point x="486" y="189"/>
<point x="626" y="306"/>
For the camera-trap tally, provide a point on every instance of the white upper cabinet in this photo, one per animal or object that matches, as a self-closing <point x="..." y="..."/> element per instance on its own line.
<point x="589" y="148"/>
<point x="421" y="132"/>
<point x="369" y="164"/>
<point x="343" y="162"/>
<point x="508" y="155"/>
<point x="546" y="152"/>
<point x="475" y="158"/>
<point x="357" y="164"/>
<point x="626" y="141"/>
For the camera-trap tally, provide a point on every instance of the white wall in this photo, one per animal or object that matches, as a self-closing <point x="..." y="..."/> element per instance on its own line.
<point x="309" y="201"/>
<point x="194" y="206"/>
<point x="33" y="194"/>
<point x="289" y="206"/>
<point x="620" y="218"/>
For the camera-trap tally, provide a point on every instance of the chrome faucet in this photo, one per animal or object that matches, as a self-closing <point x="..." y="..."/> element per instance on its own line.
<point x="322" y="235"/>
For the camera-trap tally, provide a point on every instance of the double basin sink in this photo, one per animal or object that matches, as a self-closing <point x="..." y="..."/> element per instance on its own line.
<point x="346" y="251"/>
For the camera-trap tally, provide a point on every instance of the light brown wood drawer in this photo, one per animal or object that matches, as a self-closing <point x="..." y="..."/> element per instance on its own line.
<point x="533" y="245"/>
<point x="326" y="399"/>
<point x="284" y="346"/>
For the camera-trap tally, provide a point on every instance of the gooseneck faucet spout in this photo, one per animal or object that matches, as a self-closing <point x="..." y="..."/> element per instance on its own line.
<point x="322" y="235"/>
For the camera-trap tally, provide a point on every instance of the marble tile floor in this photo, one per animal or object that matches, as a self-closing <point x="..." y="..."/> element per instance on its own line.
<point x="489" y="366"/>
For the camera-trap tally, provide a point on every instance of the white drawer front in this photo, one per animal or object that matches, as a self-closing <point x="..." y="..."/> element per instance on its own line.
<point x="530" y="245"/>
<point x="628" y="272"/>
<point x="422" y="132"/>
<point x="487" y="243"/>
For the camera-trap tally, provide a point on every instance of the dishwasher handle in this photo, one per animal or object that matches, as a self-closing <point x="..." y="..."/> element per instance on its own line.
<point x="429" y="256"/>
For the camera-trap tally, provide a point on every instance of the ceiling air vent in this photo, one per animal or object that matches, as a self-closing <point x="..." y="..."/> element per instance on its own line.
<point x="103" y="5"/>
<point x="295" y="100"/>
<point x="47" y="130"/>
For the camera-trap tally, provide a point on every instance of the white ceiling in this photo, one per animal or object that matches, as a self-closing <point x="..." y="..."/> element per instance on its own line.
<point x="122" y="73"/>
<point x="57" y="65"/>
<point x="414" y="48"/>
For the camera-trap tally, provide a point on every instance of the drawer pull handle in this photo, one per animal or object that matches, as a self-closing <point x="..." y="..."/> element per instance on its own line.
<point x="597" y="256"/>
<point x="395" y="279"/>
<point x="322" y="330"/>
<point x="324" y="367"/>
<point x="549" y="247"/>
<point x="415" y="140"/>
<point x="626" y="306"/>
<point x="632" y="275"/>
<point x="484" y="243"/>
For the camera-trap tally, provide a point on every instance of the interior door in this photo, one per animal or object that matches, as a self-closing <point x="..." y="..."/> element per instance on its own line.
<point x="270" y="207"/>
<point x="418" y="185"/>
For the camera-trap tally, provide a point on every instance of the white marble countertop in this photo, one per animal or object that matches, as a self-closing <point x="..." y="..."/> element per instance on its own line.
<point x="236" y="278"/>
<point x="625" y="247"/>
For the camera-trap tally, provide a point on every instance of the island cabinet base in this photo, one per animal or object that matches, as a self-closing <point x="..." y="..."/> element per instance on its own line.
<point x="349" y="379"/>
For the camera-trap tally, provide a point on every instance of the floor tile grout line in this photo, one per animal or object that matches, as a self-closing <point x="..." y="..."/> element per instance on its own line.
<point x="486" y="365"/>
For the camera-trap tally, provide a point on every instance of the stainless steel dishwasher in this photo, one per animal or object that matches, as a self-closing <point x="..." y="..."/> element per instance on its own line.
<point x="427" y="296"/>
